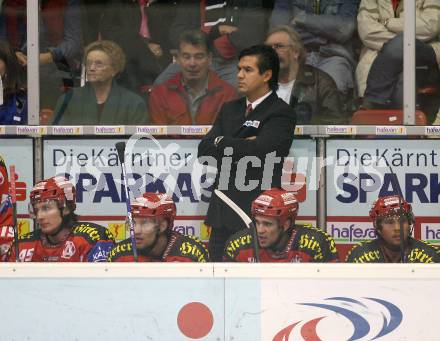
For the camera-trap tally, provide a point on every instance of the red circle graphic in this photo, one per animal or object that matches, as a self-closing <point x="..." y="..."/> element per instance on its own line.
<point x="195" y="320"/>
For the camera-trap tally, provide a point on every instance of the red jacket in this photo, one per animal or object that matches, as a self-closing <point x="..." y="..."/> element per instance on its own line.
<point x="169" y="102"/>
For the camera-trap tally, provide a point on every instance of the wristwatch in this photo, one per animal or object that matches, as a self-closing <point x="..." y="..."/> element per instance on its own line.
<point x="217" y="140"/>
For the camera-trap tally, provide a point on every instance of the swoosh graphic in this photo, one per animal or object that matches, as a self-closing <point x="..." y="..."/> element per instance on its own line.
<point x="395" y="320"/>
<point x="283" y="334"/>
<point x="308" y="330"/>
<point x="347" y="299"/>
<point x="361" y="326"/>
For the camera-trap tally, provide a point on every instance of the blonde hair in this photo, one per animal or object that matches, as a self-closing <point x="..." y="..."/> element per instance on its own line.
<point x="111" y="49"/>
<point x="294" y="38"/>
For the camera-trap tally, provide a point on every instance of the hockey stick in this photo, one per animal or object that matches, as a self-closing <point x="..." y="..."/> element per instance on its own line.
<point x="120" y="147"/>
<point x="13" y="195"/>
<point x="402" y="242"/>
<point x="248" y="221"/>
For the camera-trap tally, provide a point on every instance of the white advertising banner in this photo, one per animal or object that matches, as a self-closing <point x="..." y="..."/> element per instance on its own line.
<point x="19" y="152"/>
<point x="156" y="165"/>
<point x="364" y="309"/>
<point x="359" y="171"/>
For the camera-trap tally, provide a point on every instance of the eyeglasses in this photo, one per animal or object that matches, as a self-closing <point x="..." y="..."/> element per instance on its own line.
<point x="98" y="65"/>
<point x="280" y="46"/>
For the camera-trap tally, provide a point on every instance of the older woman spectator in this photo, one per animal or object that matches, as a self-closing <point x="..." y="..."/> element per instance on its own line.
<point x="101" y="100"/>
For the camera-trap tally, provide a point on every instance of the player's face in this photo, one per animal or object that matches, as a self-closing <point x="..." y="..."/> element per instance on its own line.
<point x="194" y="61"/>
<point x="251" y="83"/>
<point x="269" y="231"/>
<point x="48" y="216"/>
<point x="390" y="230"/>
<point x="281" y="43"/>
<point x="145" y="231"/>
<point x="99" y="67"/>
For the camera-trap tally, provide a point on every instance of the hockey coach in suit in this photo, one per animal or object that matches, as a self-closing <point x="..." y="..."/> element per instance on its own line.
<point x="249" y="140"/>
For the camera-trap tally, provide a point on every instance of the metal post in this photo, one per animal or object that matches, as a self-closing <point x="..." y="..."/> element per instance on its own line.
<point x="38" y="159"/>
<point x="409" y="63"/>
<point x="321" y="194"/>
<point x="33" y="63"/>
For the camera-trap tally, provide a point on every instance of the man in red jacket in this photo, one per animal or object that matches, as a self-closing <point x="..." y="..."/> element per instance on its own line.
<point x="153" y="216"/>
<point x="194" y="95"/>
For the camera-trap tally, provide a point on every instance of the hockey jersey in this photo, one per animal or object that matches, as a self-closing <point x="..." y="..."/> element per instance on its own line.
<point x="6" y="218"/>
<point x="371" y="252"/>
<point x="87" y="242"/>
<point x="305" y="244"/>
<point x="180" y="248"/>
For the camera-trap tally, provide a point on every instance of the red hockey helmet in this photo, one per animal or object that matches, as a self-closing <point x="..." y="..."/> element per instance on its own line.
<point x="154" y="205"/>
<point x="389" y="206"/>
<point x="276" y="203"/>
<point x="57" y="188"/>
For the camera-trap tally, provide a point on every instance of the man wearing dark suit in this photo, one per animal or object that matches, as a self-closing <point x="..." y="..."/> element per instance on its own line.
<point x="248" y="141"/>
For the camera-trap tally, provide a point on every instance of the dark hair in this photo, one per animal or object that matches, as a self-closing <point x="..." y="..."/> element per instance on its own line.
<point x="14" y="78"/>
<point x="196" y="38"/>
<point x="267" y="60"/>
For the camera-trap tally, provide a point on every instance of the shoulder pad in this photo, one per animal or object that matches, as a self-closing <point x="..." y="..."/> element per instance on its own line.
<point x="92" y="232"/>
<point x="122" y="248"/>
<point x="190" y="247"/>
<point x="238" y="241"/>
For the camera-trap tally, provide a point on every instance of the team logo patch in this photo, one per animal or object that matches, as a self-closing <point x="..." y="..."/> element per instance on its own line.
<point x="69" y="250"/>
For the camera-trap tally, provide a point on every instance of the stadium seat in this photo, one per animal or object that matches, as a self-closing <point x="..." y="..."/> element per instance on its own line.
<point x="384" y="117"/>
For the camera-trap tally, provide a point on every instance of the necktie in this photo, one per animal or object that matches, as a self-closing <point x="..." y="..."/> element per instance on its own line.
<point x="143" y="30"/>
<point x="248" y="110"/>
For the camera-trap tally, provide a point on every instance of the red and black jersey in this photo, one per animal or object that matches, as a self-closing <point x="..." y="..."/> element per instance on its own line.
<point x="6" y="217"/>
<point x="180" y="248"/>
<point x="371" y="251"/>
<point x="305" y="244"/>
<point x="87" y="242"/>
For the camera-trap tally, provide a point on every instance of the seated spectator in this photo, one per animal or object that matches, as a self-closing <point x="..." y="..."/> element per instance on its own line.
<point x="195" y="94"/>
<point x="279" y="238"/>
<point x="311" y="91"/>
<point x="60" y="43"/>
<point x="101" y="100"/>
<point x="327" y="29"/>
<point x="153" y="216"/>
<point x="380" y="69"/>
<point x="13" y="99"/>
<point x="139" y="28"/>
<point x="387" y="214"/>
<point x="59" y="237"/>
<point x="231" y="26"/>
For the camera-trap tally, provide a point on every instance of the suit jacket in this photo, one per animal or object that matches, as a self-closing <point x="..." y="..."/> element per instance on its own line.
<point x="273" y="123"/>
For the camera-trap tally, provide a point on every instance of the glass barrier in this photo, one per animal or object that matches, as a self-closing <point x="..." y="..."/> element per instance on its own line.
<point x="175" y="62"/>
<point x="13" y="61"/>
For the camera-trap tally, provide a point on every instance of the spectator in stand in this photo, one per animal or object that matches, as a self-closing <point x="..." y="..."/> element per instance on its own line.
<point x="13" y="96"/>
<point x="311" y="91"/>
<point x="141" y="28"/>
<point x="380" y="24"/>
<point x="326" y="28"/>
<point x="195" y="94"/>
<point x="231" y="26"/>
<point x="101" y="100"/>
<point x="60" y="43"/>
